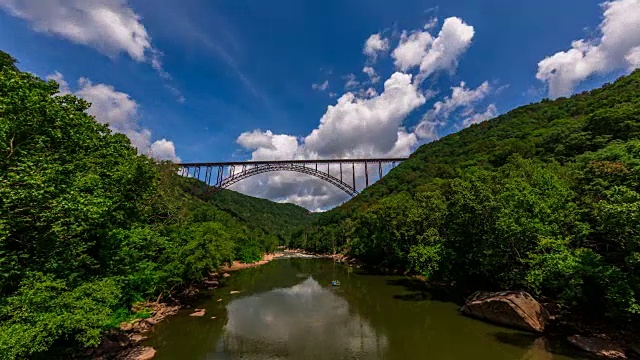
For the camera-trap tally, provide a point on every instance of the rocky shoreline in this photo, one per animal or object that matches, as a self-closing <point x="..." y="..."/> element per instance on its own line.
<point x="123" y="343"/>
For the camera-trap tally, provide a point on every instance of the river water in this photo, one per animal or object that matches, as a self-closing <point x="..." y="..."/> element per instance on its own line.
<point x="287" y="309"/>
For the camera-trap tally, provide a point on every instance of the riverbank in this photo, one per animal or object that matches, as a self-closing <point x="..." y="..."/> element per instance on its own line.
<point x="123" y="343"/>
<point x="284" y="254"/>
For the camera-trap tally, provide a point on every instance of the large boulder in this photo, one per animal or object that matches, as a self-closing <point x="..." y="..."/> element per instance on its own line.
<point x="512" y="308"/>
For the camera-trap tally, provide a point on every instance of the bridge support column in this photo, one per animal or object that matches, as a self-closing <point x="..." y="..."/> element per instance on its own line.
<point x="220" y="175"/>
<point x="366" y="174"/>
<point x="207" y="176"/>
<point x="353" y="168"/>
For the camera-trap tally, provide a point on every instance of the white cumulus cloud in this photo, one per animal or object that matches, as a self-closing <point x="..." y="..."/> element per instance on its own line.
<point x="367" y="93"/>
<point x="356" y="127"/>
<point x="431" y="54"/>
<point x="633" y="58"/>
<point x="453" y="40"/>
<point x="269" y="146"/>
<point x="617" y="48"/>
<point x="412" y="49"/>
<point x="163" y="149"/>
<point x="121" y="113"/>
<point x="375" y="45"/>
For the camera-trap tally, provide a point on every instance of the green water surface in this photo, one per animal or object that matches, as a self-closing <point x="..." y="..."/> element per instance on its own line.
<point x="287" y="309"/>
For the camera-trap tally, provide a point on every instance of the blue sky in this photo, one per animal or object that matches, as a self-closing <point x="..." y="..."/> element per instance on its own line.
<point x="232" y="67"/>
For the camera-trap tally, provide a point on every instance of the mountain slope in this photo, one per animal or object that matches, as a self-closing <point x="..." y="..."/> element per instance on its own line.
<point x="273" y="218"/>
<point x="559" y="129"/>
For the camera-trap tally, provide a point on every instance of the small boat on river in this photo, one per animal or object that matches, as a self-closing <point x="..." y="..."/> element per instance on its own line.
<point x="335" y="283"/>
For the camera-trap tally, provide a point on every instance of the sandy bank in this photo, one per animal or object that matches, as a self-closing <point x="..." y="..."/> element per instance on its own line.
<point x="286" y="254"/>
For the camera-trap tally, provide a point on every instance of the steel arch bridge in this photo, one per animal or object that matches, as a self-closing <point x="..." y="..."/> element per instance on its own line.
<point x="343" y="175"/>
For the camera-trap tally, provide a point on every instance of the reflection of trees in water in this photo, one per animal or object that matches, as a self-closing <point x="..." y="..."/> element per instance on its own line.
<point x="279" y="273"/>
<point x="277" y="315"/>
<point x="304" y="321"/>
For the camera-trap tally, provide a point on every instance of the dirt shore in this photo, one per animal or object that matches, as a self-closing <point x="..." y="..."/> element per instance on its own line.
<point x="237" y="265"/>
<point x="286" y="254"/>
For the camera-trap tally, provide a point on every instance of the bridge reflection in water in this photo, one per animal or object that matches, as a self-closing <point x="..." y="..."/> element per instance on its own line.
<point x="302" y="322"/>
<point x="340" y="172"/>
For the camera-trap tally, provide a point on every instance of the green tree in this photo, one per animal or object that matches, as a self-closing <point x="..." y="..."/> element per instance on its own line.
<point x="45" y="310"/>
<point x="66" y="182"/>
<point x="7" y="62"/>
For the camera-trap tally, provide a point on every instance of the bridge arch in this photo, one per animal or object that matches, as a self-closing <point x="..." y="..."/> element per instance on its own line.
<point x="289" y="167"/>
<point x="229" y="173"/>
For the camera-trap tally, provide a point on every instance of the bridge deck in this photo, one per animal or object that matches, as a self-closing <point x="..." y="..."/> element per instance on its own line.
<point x="322" y="161"/>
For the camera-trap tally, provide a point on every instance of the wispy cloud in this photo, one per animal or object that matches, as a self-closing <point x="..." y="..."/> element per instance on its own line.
<point x="111" y="27"/>
<point x="321" y="87"/>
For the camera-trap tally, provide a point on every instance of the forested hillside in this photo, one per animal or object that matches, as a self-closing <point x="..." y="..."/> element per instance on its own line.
<point x="545" y="198"/>
<point x="279" y="219"/>
<point x="88" y="227"/>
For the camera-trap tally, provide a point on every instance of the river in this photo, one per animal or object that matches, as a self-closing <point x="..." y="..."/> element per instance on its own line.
<point x="287" y="309"/>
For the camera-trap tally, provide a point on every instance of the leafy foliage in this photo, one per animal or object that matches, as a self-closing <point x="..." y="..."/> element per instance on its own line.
<point x="7" y="61"/>
<point x="278" y="219"/>
<point x="45" y="310"/>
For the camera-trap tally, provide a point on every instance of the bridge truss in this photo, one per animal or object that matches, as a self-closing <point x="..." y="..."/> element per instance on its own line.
<point x="338" y="172"/>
